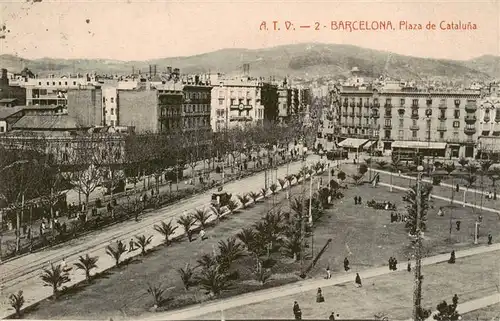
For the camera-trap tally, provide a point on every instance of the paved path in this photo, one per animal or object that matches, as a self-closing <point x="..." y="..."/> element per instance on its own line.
<point x="198" y="310"/>
<point x="23" y="273"/>
<point x="473" y="305"/>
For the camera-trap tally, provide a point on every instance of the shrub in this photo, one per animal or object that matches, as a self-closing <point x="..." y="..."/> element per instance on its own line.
<point x="17" y="301"/>
<point x="436" y="180"/>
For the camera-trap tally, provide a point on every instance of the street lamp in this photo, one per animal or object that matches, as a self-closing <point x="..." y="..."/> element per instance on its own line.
<point x="417" y="294"/>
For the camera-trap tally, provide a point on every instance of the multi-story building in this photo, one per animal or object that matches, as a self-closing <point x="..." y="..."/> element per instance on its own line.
<point x="235" y="102"/>
<point x="179" y="105"/>
<point x="53" y="90"/>
<point x="110" y="106"/>
<point x="489" y="127"/>
<point x="85" y="104"/>
<point x="404" y="119"/>
<point x="10" y="92"/>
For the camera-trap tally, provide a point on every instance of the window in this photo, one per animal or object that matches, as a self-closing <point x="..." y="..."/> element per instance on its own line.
<point x="414" y="133"/>
<point x="39" y="83"/>
<point x="103" y="99"/>
<point x="388" y="122"/>
<point x="401" y="122"/>
<point x="414" y="102"/>
<point x="455" y="135"/>
<point x="112" y="122"/>
<point x="456" y="114"/>
<point x="441" y="135"/>
<point x="48" y="83"/>
<point x="221" y="101"/>
<point x="112" y="100"/>
<point x="414" y="122"/>
<point x="74" y="83"/>
<point x="112" y="111"/>
<point x="456" y="124"/>
<point x="66" y="83"/>
<point x="53" y="83"/>
<point x="457" y="102"/>
<point x="388" y="134"/>
<point x="402" y="101"/>
<point x="2" y="129"/>
<point x="59" y="83"/>
<point x="401" y="134"/>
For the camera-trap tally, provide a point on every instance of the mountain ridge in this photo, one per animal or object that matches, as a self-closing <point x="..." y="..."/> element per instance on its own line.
<point x="303" y="60"/>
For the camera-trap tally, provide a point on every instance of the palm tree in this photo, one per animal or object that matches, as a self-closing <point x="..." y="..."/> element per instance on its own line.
<point x="218" y="211"/>
<point x="254" y="196"/>
<point x="206" y="261"/>
<point x="213" y="281"/>
<point x="186" y="275"/>
<point x="263" y="275"/>
<point x="282" y="183"/>
<point x="263" y="192"/>
<point x="117" y="252"/>
<point x="16" y="302"/>
<point x="55" y="277"/>
<point x="382" y="164"/>
<point x="142" y="241"/>
<point x="166" y="229"/>
<point x="187" y="221"/>
<point x="232" y="206"/>
<point x="463" y="162"/>
<point x="201" y="216"/>
<point x="156" y="292"/>
<point x="244" y="199"/>
<point x="289" y="179"/>
<point x="273" y="188"/>
<point x="411" y="199"/>
<point x="357" y="178"/>
<point x="87" y="263"/>
<point x="293" y="246"/>
<point x="230" y="251"/>
<point x="247" y="237"/>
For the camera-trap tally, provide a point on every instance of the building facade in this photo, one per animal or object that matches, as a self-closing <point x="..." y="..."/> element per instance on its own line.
<point x="392" y="117"/>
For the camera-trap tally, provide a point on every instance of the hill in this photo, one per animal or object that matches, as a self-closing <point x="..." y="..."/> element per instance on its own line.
<point x="307" y="60"/>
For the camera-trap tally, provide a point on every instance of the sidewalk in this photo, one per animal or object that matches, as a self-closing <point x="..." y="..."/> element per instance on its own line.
<point x="215" y="306"/>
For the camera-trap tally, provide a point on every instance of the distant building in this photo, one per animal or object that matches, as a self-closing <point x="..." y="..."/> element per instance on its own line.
<point x="10" y="115"/>
<point x="10" y="91"/>
<point x="85" y="105"/>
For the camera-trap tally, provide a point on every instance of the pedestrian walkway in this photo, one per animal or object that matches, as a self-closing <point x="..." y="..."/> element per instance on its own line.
<point x="473" y="305"/>
<point x="198" y="310"/>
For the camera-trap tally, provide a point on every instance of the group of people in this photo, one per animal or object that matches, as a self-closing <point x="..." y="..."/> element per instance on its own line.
<point x="357" y="200"/>
<point x="393" y="264"/>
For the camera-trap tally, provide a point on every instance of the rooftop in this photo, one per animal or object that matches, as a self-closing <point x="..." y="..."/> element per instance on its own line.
<point x="9" y="111"/>
<point x="47" y="122"/>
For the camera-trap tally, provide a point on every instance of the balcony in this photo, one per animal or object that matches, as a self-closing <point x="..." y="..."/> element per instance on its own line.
<point x="429" y="102"/>
<point x="442" y="117"/>
<point x="358" y="114"/>
<point x="240" y="118"/>
<point x="414" y="106"/>
<point x="469" y="130"/>
<point x="345" y="104"/>
<point x="376" y="105"/>
<point x="351" y="114"/>
<point x="359" y="104"/>
<point x="241" y="107"/>
<point x="414" y="127"/>
<point x="387" y="126"/>
<point x="375" y="115"/>
<point x="441" y="128"/>
<point x="388" y="105"/>
<point x="469" y="107"/>
<point x="470" y="119"/>
<point x="414" y="116"/>
<point x="443" y="106"/>
<point x="388" y="115"/>
<point x="352" y="104"/>
<point x="366" y="104"/>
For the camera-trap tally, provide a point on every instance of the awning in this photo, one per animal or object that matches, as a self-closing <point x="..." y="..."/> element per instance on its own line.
<point x="352" y="142"/>
<point x="489" y="143"/>
<point x="369" y="144"/>
<point x="417" y="144"/>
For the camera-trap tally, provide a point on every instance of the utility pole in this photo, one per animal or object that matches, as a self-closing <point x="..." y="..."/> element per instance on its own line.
<point x="417" y="294"/>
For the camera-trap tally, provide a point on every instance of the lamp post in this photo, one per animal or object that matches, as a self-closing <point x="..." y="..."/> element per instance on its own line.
<point x="417" y="294"/>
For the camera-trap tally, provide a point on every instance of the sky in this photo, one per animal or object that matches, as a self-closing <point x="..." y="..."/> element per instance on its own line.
<point x="147" y="29"/>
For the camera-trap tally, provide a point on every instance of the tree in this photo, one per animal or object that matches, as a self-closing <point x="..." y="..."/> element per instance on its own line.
<point x="55" y="277"/>
<point x="142" y="241"/>
<point x="218" y="211"/>
<point x="470" y="176"/>
<point x="87" y="263"/>
<point x="494" y="176"/>
<point x="357" y="178"/>
<point x="254" y="196"/>
<point x="232" y="206"/>
<point x="166" y="229"/>
<point x="213" y="281"/>
<point x="201" y="216"/>
<point x="411" y="199"/>
<point x="273" y="188"/>
<point x="247" y="237"/>
<point x="229" y="251"/>
<point x="282" y="183"/>
<point x="341" y="175"/>
<point x="244" y="199"/>
<point x="187" y="221"/>
<point x="362" y="169"/>
<point x="382" y="164"/>
<point x="187" y="275"/>
<point x="263" y="275"/>
<point x="116" y="252"/>
<point x="293" y="246"/>
<point x="156" y="292"/>
<point x="206" y="261"/>
<point x="446" y="312"/>
<point x="449" y="168"/>
<point x="263" y="192"/>
<point x="16" y="301"/>
<point x="463" y="162"/>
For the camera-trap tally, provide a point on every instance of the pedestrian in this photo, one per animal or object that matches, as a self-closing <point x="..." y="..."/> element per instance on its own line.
<point x="359" y="200"/>
<point x="490" y="238"/>
<point x="331" y="317"/>
<point x="319" y="296"/>
<point x="440" y="211"/>
<point x="355" y="200"/>
<point x="358" y="280"/>
<point x="131" y="245"/>
<point x="390" y="263"/>
<point x="394" y="264"/>
<point x="455" y="300"/>
<point x="452" y="257"/>
<point x="408" y="267"/>
<point x="328" y="273"/>
<point x="458" y="225"/>
<point x="296" y="311"/>
<point x="346" y="264"/>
